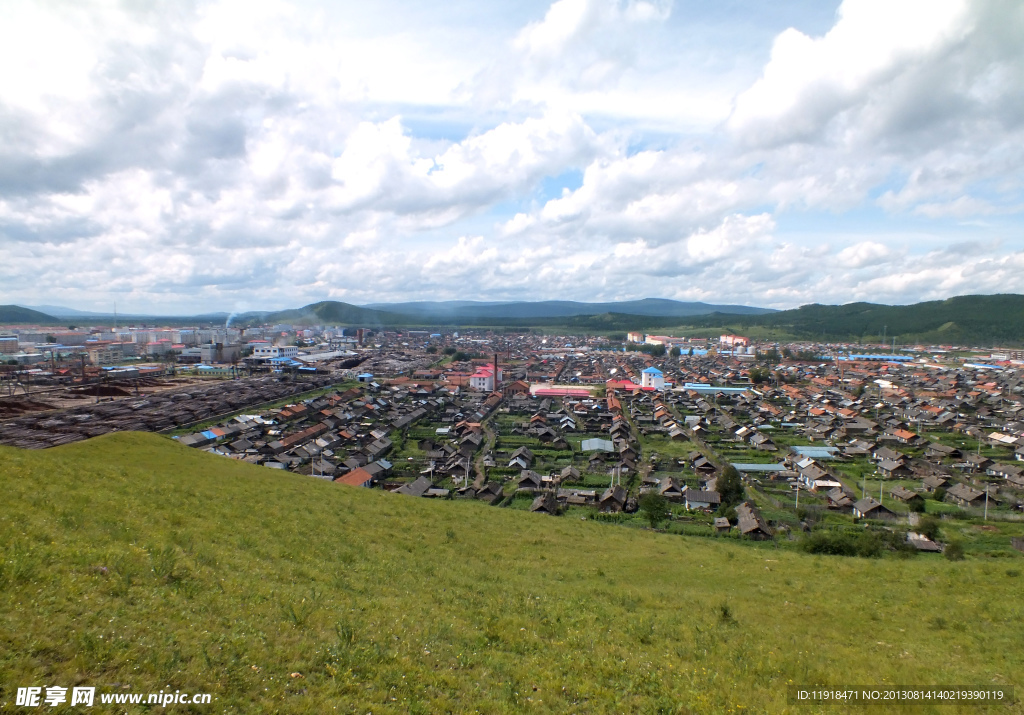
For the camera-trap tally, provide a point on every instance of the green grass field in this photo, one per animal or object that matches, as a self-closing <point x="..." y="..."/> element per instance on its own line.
<point x="131" y="560"/>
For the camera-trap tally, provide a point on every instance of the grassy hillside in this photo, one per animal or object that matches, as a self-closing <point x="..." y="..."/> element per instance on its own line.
<point x="971" y="319"/>
<point x="15" y="314"/>
<point x="129" y="559"/>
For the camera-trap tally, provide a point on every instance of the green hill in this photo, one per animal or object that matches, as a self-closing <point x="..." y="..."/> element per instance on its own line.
<point x="970" y="319"/>
<point x="15" y="314"/>
<point x="131" y="560"/>
<point x="331" y="312"/>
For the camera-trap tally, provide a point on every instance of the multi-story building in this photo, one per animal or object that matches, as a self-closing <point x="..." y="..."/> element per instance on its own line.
<point x="733" y="341"/>
<point x="265" y="352"/>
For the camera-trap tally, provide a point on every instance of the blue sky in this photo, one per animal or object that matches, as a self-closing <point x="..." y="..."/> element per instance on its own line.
<point x="239" y="155"/>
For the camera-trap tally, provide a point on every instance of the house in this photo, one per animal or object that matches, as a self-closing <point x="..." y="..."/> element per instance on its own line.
<point x="569" y="474"/>
<point x="935" y="481"/>
<point x="940" y="451"/>
<point x="358" y="477"/>
<point x="1006" y="471"/>
<point x="529" y="480"/>
<point x="669" y="489"/>
<point x="491" y="492"/>
<point x="750" y="522"/>
<point x="763" y="443"/>
<point x="905" y="495"/>
<point x="520" y="462"/>
<point x="545" y="503"/>
<point x="905" y="436"/>
<point x="523" y="457"/>
<point x="612" y="500"/>
<point x="701" y="465"/>
<point x="976" y="463"/>
<point x="966" y="496"/>
<point x="696" y="499"/>
<point x="883" y="453"/>
<point x="814" y="477"/>
<point x="516" y="388"/>
<point x="841" y="499"/>
<point x="894" y="470"/>
<point x="868" y="508"/>
<point x="923" y="543"/>
<point x="577" y="497"/>
<point x="722" y="525"/>
<point x="418" y="488"/>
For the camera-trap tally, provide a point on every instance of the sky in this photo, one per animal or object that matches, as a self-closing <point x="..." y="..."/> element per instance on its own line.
<point x="184" y="157"/>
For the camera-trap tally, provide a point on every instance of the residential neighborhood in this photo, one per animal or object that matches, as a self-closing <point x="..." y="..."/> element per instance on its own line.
<point x="564" y="425"/>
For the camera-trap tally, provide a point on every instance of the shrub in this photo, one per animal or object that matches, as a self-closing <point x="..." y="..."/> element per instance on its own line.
<point x="867" y="543"/>
<point x="954" y="551"/>
<point x="929" y="526"/>
<point x="939" y="495"/>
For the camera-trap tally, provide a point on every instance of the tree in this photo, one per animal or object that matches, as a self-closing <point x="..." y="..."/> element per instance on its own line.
<point x="939" y="494"/>
<point x="449" y="351"/>
<point x="654" y="507"/>
<point x="675" y="352"/>
<point x="730" y="487"/>
<point x="929" y="527"/>
<point x="431" y="350"/>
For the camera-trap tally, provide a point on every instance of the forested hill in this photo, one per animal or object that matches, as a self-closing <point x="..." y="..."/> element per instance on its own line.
<point x="971" y="319"/>
<point x="16" y="315"/>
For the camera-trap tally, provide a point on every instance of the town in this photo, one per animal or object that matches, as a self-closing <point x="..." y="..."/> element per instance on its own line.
<point x="718" y="437"/>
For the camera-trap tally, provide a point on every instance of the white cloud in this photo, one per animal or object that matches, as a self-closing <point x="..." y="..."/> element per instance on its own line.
<point x="809" y="81"/>
<point x="191" y="157"/>
<point x="866" y="253"/>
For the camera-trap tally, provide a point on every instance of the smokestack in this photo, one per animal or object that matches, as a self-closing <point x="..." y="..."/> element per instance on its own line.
<point x="496" y="381"/>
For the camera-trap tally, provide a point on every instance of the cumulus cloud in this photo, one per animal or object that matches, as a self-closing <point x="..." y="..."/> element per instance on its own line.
<point x="196" y="156"/>
<point x="866" y="253"/>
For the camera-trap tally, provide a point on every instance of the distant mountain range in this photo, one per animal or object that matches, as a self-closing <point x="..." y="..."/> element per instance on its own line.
<point x="470" y="311"/>
<point x="972" y="319"/>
